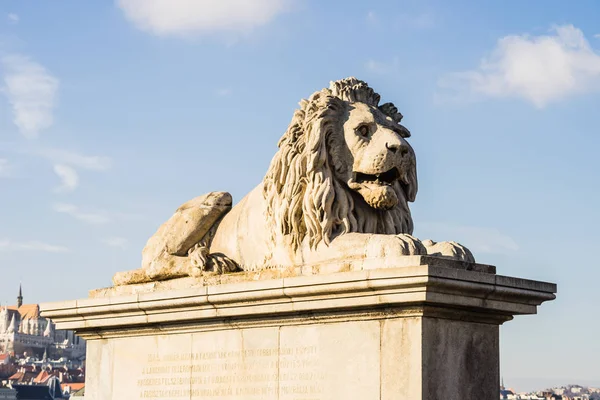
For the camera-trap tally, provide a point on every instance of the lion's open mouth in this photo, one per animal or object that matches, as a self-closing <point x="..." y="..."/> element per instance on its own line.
<point x="385" y="178"/>
<point x="376" y="189"/>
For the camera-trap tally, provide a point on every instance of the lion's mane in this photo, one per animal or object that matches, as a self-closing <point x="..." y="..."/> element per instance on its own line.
<point x="304" y="198"/>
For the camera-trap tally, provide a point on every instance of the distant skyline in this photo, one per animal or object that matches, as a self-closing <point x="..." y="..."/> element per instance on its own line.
<point x="112" y="114"/>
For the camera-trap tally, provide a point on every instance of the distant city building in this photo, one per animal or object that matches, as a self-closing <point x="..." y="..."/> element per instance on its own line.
<point x="23" y="332"/>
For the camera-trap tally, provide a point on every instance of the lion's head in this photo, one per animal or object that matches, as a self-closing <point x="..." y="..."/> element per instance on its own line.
<point x="343" y="165"/>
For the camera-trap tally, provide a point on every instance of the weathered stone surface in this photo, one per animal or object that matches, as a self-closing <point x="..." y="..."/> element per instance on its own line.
<point x="470" y="354"/>
<point x="371" y="360"/>
<point x="337" y="189"/>
<point x="101" y="355"/>
<point x="422" y="332"/>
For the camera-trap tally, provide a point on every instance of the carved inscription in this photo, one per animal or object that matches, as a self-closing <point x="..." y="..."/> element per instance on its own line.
<point x="290" y="373"/>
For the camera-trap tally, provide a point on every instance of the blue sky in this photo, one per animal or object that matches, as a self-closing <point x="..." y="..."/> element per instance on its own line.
<point x="114" y="114"/>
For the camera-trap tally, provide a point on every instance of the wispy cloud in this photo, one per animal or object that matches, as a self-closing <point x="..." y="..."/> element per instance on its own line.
<point x="383" y="67"/>
<point x="193" y="17"/>
<point x="224" y="92"/>
<point x="117" y="242"/>
<point x="123" y="216"/>
<point x="95" y="216"/>
<point x="540" y="69"/>
<point x="68" y="177"/>
<point x="13" y="18"/>
<point x="65" y="163"/>
<point x="477" y="239"/>
<point x="372" y="17"/>
<point x="597" y="35"/>
<point x="421" y="21"/>
<point x="60" y="156"/>
<point x="90" y="217"/>
<point x="12" y="246"/>
<point x="32" y="92"/>
<point x="5" y="168"/>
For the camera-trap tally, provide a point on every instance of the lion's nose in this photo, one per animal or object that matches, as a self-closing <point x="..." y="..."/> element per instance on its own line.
<point x="395" y="147"/>
<point x="392" y="147"/>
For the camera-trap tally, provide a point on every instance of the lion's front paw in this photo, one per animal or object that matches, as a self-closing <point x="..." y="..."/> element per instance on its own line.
<point x="198" y="256"/>
<point x="448" y="249"/>
<point x="411" y="246"/>
<point x="392" y="246"/>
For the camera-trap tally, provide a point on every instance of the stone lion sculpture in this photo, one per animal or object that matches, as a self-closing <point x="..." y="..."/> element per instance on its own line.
<point x="336" y="194"/>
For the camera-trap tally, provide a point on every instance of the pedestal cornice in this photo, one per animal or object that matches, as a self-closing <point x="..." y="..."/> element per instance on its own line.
<point x="423" y="290"/>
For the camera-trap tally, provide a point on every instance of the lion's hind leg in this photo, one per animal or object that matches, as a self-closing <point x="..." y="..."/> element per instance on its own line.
<point x="180" y="246"/>
<point x="165" y="267"/>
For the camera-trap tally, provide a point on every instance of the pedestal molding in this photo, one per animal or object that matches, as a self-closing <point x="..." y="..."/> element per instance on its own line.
<point x="462" y="294"/>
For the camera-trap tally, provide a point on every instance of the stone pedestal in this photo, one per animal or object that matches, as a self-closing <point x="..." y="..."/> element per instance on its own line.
<point x="428" y="331"/>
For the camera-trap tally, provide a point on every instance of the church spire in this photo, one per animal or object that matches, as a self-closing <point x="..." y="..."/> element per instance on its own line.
<point x="20" y="297"/>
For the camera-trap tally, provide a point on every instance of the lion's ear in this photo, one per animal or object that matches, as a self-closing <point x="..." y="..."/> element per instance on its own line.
<point x="411" y="178"/>
<point x="405" y="133"/>
<point x="391" y="111"/>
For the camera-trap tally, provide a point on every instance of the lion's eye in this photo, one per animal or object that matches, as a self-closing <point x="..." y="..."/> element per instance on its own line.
<point x="363" y="130"/>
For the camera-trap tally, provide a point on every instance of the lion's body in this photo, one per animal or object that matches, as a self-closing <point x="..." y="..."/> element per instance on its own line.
<point x="337" y="191"/>
<point x="243" y="235"/>
<point x="246" y="235"/>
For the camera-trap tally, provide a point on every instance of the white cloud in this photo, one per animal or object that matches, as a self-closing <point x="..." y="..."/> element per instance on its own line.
<point x="5" y="168"/>
<point x="59" y="156"/>
<point x="540" y="69"/>
<point x="597" y="35"/>
<point x="90" y="217"/>
<point x="476" y="239"/>
<point x="10" y="246"/>
<point x="68" y="176"/>
<point x="188" y="17"/>
<point x="13" y="18"/>
<point x="32" y="92"/>
<point x="117" y="242"/>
